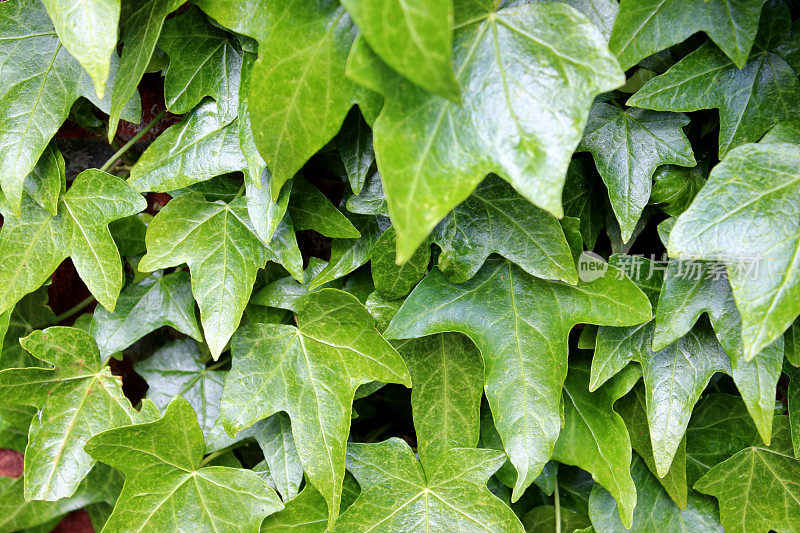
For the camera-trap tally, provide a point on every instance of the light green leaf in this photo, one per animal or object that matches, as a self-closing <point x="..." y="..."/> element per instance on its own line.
<point x="628" y="145"/>
<point x="310" y="209"/>
<point x="393" y="281"/>
<point x="47" y="179"/>
<point x="397" y="494"/>
<point x="218" y="243"/>
<point x="520" y="324"/>
<point x="77" y="398"/>
<point x="308" y="513"/>
<point x="512" y="121"/>
<point x="311" y="372"/>
<point x="144" y="306"/>
<point x="167" y="488"/>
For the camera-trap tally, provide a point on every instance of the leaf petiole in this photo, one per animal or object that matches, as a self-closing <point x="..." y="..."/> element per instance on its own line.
<point x="119" y="153"/>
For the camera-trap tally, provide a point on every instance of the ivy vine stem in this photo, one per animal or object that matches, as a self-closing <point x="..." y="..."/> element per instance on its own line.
<point x="119" y="153"/>
<point x="80" y="306"/>
<point x="557" y="507"/>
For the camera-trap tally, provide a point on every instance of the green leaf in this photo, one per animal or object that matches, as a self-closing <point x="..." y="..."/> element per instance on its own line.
<point x="582" y="199"/>
<point x="167" y="488"/>
<point x="201" y="146"/>
<point x="218" y="243"/>
<point x="495" y="219"/>
<point x="758" y="488"/>
<point x="129" y="234"/>
<point x="311" y="372"/>
<point x="33" y="245"/>
<point x="397" y="494"/>
<point x="644" y="27"/>
<point x="29" y="314"/>
<point x="655" y="511"/>
<point x="47" y="179"/>
<point x="355" y="146"/>
<point x="310" y="209"/>
<point x="391" y="280"/>
<point x="77" y="398"/>
<point x="627" y="146"/>
<point x="447" y="372"/>
<point x="144" y="306"/>
<point x="413" y="37"/>
<point x="750" y="100"/>
<point x="88" y="30"/>
<point x="298" y="105"/>
<point x="595" y="438"/>
<point x="793" y="404"/>
<point x="307" y="513"/>
<point x="204" y="61"/>
<point x="745" y="218"/>
<point x="140" y="26"/>
<point x="675" y="187"/>
<point x="29" y="120"/>
<point x="428" y="152"/>
<point x="520" y="324"/>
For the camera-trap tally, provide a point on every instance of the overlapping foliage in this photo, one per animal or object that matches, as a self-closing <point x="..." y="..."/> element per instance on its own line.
<point x="480" y="265"/>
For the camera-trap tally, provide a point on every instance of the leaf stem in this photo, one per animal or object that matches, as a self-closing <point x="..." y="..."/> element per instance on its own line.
<point x="119" y="153"/>
<point x="219" y="363"/>
<point x="557" y="507"/>
<point x="210" y="457"/>
<point x="75" y="310"/>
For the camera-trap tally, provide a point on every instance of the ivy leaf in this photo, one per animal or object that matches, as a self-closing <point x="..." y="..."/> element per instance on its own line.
<point x="218" y="243"/>
<point x="298" y="105"/>
<point x="675" y="187"/>
<point x="397" y="494"/>
<point x="28" y="120"/>
<point x="655" y="510"/>
<point x="47" y="180"/>
<point x="355" y="146"/>
<point x="628" y="145"/>
<point x="29" y="314"/>
<point x="391" y="280"/>
<point x="495" y="219"/>
<point x="286" y="368"/>
<point x="520" y="324"/>
<point x="204" y="61"/>
<point x="428" y="154"/>
<point x="750" y="100"/>
<point x="310" y="209"/>
<point x="644" y="27"/>
<point x="167" y="487"/>
<point x="447" y="372"/>
<point x="745" y="218"/>
<point x="143" y="306"/>
<point x="88" y="30"/>
<point x="758" y="488"/>
<point x="582" y="199"/>
<point x="414" y="38"/>
<point x="307" y="513"/>
<point x="33" y="245"/>
<point x="201" y="146"/>
<point x="77" y="398"/>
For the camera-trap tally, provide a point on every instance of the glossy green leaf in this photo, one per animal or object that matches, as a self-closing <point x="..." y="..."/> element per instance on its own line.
<point x="391" y="280"/>
<point x="413" y="37"/>
<point x="29" y="314"/>
<point x="750" y="100"/>
<point x="144" y="306"/>
<point x="312" y="368"/>
<point x="307" y="513"/>
<point x="355" y="147"/>
<point x="166" y="486"/>
<point x="218" y="243"/>
<point x="520" y="324"/>
<point x="33" y="245"/>
<point x="495" y="219"/>
<point x="398" y="494"/>
<point x="627" y="146"/>
<point x="77" y="398"/>
<point x="644" y="27"/>
<point x="47" y="179"/>
<point x="675" y="187"/>
<point x="310" y="209"/>
<point x="582" y="199"/>
<point x="429" y="157"/>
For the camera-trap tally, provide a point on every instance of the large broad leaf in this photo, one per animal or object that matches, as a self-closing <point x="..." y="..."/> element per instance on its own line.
<point x="627" y="146"/>
<point x="144" y="306"/>
<point x="528" y="74"/>
<point x="77" y="398"/>
<point x="758" y="488"/>
<point x="413" y="37"/>
<point x="447" y="372"/>
<point x="644" y="27"/>
<point x="33" y="245"/>
<point x="88" y="30"/>
<point x="655" y="511"/>
<point x="520" y="324"/>
<point x="299" y="95"/>
<point x="750" y="100"/>
<point x="495" y="219"/>
<point x="166" y="486"/>
<point x="34" y="63"/>
<point x="218" y="243"/>
<point x="310" y="371"/>
<point x="204" y="61"/>
<point x="748" y="217"/>
<point x="397" y="494"/>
